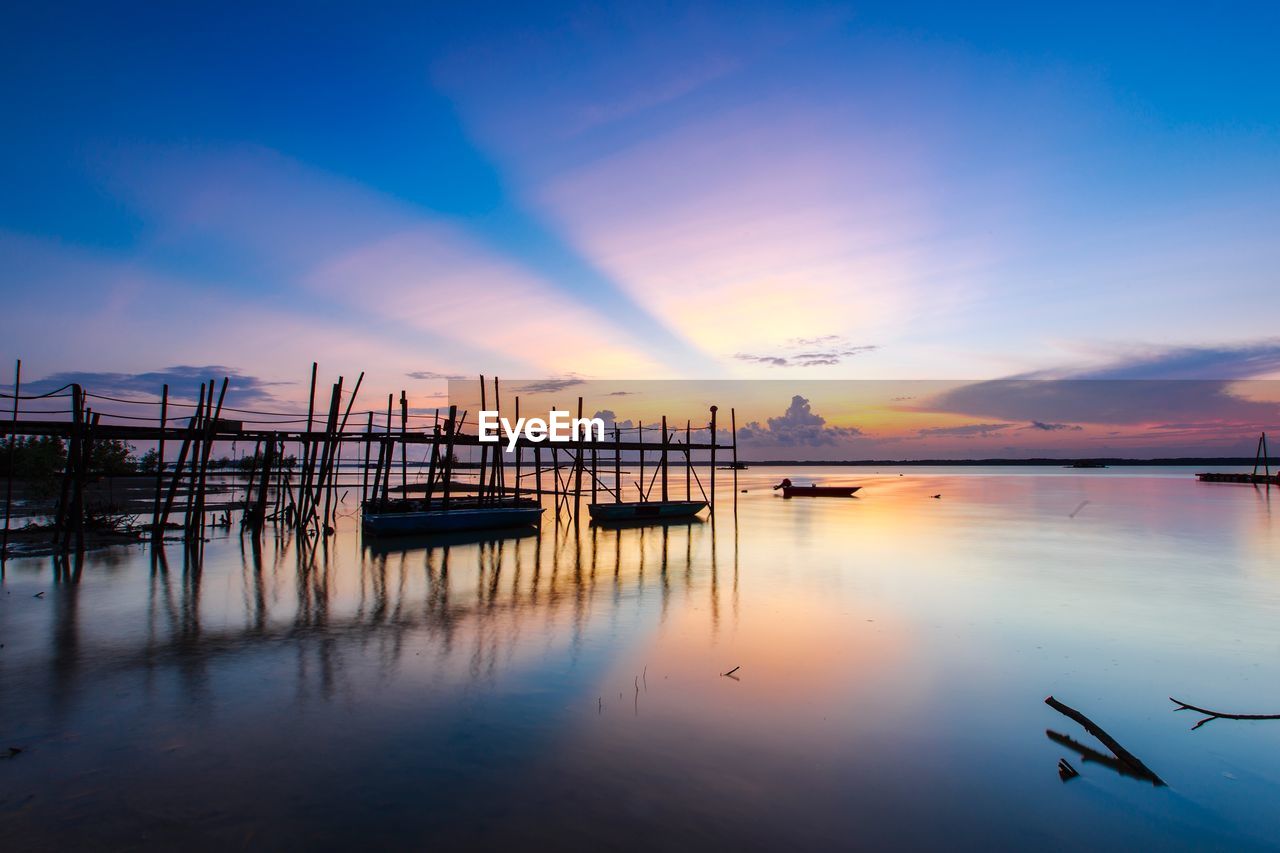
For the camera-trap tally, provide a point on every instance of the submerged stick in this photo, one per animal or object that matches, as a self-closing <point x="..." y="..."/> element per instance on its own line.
<point x="732" y="671"/>
<point x="1218" y="715"/>
<point x="1111" y="743"/>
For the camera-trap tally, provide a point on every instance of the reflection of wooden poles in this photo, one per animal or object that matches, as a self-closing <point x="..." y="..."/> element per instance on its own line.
<point x="1111" y="743"/>
<point x="1218" y="715"/>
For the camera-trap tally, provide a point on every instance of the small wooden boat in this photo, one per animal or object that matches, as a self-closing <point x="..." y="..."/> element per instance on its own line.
<point x="436" y="520"/>
<point x="632" y="510"/>
<point x="792" y="491"/>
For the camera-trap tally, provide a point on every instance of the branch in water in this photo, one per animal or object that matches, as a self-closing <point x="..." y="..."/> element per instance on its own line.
<point x="1218" y="715"/>
<point x="1111" y="743"/>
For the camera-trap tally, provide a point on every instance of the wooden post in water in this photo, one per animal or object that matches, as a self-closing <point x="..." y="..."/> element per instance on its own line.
<point x="364" y="473"/>
<point x="498" y="481"/>
<point x="733" y="427"/>
<point x="13" y="438"/>
<point x="192" y="426"/>
<point x="450" y="429"/>
<point x="519" y="454"/>
<point x="484" y="449"/>
<point x="164" y="417"/>
<point x="617" y="463"/>
<point x="713" y="460"/>
<point x="664" y="459"/>
<point x="404" y="444"/>
<point x="640" y="442"/>
<point x="577" y="466"/>
<point x="688" y="462"/>
<point x="435" y="454"/>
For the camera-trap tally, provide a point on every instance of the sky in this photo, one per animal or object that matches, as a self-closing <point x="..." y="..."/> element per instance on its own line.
<point x="638" y="191"/>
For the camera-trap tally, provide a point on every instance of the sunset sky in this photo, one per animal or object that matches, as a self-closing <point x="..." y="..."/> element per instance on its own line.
<point x="780" y="191"/>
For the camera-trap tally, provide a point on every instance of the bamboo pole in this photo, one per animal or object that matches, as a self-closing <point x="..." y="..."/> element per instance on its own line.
<point x="664" y="459"/>
<point x="688" y="462"/>
<point x="519" y="455"/>
<point x="404" y="443"/>
<point x="617" y="463"/>
<point x="449" y="427"/>
<point x="13" y="438"/>
<point x="192" y="425"/>
<point x="640" y="441"/>
<point x="484" y="450"/>
<point x="713" y="460"/>
<point x="733" y="428"/>
<point x="164" y="417"/>
<point x="577" y="468"/>
<point x="364" y="472"/>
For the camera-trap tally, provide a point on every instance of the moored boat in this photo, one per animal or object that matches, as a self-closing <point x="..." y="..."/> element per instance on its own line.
<point x="437" y="520"/>
<point x="632" y="510"/>
<point x="792" y="491"/>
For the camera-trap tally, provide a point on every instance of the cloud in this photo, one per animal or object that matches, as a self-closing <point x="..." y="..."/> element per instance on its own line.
<point x="810" y="357"/>
<point x="965" y="431"/>
<point x="772" y="360"/>
<point x="431" y="374"/>
<point x="610" y="420"/>
<point x="799" y="426"/>
<point x="550" y="386"/>
<point x="1243" y="361"/>
<point x="1109" y="401"/>
<point x="183" y="381"/>
<point x="1051" y="427"/>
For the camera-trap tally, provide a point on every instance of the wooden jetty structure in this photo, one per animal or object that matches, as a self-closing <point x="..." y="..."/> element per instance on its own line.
<point x="1261" y="460"/>
<point x="305" y="466"/>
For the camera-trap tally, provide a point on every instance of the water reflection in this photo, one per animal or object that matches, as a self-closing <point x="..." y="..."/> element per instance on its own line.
<point x="564" y="687"/>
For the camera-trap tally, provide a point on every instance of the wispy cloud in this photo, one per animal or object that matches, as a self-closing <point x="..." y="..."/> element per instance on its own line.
<point x="431" y="374"/>
<point x="1041" y="425"/>
<point x="835" y="352"/>
<point x="183" y="381"/>
<point x="964" y="431"/>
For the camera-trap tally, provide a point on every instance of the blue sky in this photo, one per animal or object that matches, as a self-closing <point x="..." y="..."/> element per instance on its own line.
<point x="640" y="190"/>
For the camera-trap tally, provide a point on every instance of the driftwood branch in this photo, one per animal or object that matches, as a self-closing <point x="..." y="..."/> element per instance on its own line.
<point x="1142" y="770"/>
<point x="1218" y="715"/>
<point x="1089" y="755"/>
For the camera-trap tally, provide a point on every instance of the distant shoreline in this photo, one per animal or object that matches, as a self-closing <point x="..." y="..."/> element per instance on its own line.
<point x="1057" y="463"/>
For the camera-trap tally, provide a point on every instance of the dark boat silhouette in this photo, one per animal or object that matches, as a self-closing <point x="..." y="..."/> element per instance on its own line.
<point x="640" y="510"/>
<point x="792" y="491"/>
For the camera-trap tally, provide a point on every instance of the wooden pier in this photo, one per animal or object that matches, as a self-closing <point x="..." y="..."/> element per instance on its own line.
<point x="1261" y="460"/>
<point x="305" y="465"/>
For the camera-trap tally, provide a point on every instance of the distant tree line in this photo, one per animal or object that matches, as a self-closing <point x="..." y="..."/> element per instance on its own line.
<point x="43" y="457"/>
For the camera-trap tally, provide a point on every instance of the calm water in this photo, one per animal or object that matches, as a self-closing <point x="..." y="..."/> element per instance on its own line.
<point x="894" y="652"/>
